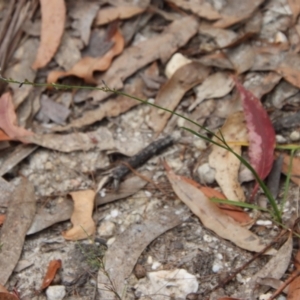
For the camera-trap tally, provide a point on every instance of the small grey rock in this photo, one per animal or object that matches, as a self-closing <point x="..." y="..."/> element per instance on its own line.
<point x="56" y="292"/>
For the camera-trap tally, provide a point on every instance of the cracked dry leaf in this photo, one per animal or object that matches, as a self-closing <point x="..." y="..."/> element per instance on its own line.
<point x="216" y="85"/>
<point x="227" y="165"/>
<point x="53" y="25"/>
<point x="83" y="223"/>
<point x="211" y="216"/>
<point x="86" y="67"/>
<point x="173" y="90"/>
<point x="138" y="56"/>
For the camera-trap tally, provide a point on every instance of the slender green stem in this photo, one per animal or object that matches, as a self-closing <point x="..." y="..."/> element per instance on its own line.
<point x="220" y="140"/>
<point x="240" y="204"/>
<point x="287" y="181"/>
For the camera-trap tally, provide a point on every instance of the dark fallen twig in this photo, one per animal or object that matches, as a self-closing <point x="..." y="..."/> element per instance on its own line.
<point x="140" y="158"/>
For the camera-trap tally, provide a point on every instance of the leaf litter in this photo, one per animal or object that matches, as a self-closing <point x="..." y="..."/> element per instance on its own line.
<point x="230" y="38"/>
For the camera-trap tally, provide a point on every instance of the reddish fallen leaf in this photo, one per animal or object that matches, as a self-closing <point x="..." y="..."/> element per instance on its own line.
<point x="261" y="134"/>
<point x="53" y="25"/>
<point x="8" y="119"/>
<point x="53" y="267"/>
<point x="211" y="216"/>
<point x="4" y="136"/>
<point x="83" y="223"/>
<point x="234" y="212"/>
<point x="8" y="296"/>
<point x="294" y="290"/>
<point x="2" y="219"/>
<point x="86" y="67"/>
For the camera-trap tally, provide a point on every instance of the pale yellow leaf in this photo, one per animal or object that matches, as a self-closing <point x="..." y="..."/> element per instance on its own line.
<point x="227" y="165"/>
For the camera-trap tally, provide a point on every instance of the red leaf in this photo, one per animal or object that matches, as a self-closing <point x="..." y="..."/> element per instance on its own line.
<point x="8" y="120"/>
<point x="260" y="132"/>
<point x="53" y="267"/>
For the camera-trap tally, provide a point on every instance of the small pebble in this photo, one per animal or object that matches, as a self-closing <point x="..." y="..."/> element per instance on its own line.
<point x="265" y="296"/>
<point x="149" y="260"/>
<point x="264" y="222"/>
<point x="156" y="265"/>
<point x="206" y="174"/>
<point x="56" y="292"/>
<point x="139" y="271"/>
<point x="280" y="139"/>
<point x="106" y="228"/>
<point x="216" y="267"/>
<point x="207" y="238"/>
<point x="200" y="144"/>
<point x="176" y="61"/>
<point x="295" y="136"/>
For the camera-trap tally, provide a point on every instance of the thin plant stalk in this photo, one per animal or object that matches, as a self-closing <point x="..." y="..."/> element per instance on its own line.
<point x="276" y="212"/>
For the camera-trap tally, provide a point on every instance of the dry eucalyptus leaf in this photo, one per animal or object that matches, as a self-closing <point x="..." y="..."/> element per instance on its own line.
<point x="242" y="57"/>
<point x="83" y="223"/>
<point x="226" y="164"/>
<point x="173" y="90"/>
<point x="83" y="14"/>
<point x="199" y="7"/>
<point x="53" y="25"/>
<point x="211" y="216"/>
<point x="109" y="14"/>
<point x="8" y="120"/>
<point x="289" y="69"/>
<point x="21" y="70"/>
<point x="216" y="85"/>
<point x="222" y="37"/>
<point x="160" y="47"/>
<point x="86" y="67"/>
<point x="260" y="83"/>
<point x="275" y="268"/>
<point x="234" y="12"/>
<point x="20" y="213"/>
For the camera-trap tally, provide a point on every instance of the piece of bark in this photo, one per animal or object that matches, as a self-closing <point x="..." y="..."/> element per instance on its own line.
<point x="19" y="217"/>
<point x="140" y="158"/>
